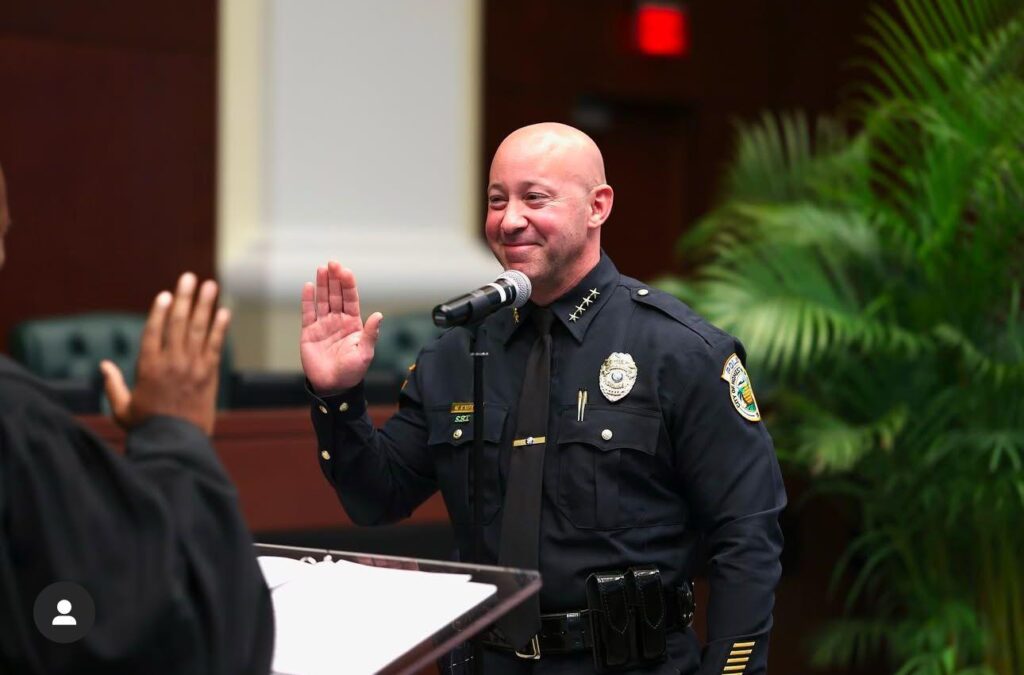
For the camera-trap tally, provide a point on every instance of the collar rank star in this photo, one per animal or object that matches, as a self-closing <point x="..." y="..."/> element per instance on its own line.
<point x="586" y="302"/>
<point x="740" y="390"/>
<point x="617" y="377"/>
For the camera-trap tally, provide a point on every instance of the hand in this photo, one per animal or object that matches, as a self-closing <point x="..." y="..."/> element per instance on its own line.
<point x="179" y="360"/>
<point x="335" y="346"/>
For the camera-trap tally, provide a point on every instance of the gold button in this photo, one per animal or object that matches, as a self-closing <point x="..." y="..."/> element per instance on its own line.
<point x="606" y="434"/>
<point x="457" y="434"/>
<point x="323" y="409"/>
<point x="325" y="454"/>
<point x="642" y="292"/>
<point x="343" y="407"/>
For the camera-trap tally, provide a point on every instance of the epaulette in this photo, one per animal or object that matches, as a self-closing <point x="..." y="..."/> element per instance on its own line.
<point x="675" y="308"/>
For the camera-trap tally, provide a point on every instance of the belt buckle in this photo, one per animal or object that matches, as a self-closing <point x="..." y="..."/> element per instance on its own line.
<point x="534" y="654"/>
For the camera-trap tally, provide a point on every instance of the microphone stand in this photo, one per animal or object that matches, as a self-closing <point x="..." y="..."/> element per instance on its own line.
<point x="476" y="468"/>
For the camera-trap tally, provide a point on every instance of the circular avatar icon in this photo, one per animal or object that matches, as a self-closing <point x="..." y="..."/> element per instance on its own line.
<point x="64" y="612"/>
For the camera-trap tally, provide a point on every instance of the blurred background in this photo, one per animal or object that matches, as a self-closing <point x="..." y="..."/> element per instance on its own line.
<point x="839" y="183"/>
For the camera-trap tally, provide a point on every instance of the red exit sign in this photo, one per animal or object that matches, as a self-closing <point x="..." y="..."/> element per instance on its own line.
<point x="662" y="29"/>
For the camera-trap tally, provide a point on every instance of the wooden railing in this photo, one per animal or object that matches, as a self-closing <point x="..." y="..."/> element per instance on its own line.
<point x="271" y="455"/>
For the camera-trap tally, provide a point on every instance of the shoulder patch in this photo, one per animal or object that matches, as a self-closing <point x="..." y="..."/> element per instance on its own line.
<point x="741" y="391"/>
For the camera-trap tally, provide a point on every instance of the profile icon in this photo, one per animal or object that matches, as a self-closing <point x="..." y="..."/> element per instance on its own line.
<point x="64" y="612"/>
<point x="64" y="617"/>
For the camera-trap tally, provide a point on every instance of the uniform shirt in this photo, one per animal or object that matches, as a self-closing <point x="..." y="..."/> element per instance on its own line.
<point x="639" y="480"/>
<point x="155" y="537"/>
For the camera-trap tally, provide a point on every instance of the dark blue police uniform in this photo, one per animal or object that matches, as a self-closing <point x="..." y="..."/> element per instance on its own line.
<point x="680" y="466"/>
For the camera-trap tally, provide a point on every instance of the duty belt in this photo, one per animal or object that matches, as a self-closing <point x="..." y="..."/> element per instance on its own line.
<point x="571" y="632"/>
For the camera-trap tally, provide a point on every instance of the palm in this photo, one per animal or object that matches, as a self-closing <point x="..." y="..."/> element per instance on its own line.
<point x="877" y="279"/>
<point x="335" y="346"/>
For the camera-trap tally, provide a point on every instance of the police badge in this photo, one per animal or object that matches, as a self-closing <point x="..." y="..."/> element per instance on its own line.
<point x="617" y="377"/>
<point x="740" y="390"/>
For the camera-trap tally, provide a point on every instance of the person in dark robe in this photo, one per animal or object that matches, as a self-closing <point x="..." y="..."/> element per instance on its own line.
<point x="154" y="537"/>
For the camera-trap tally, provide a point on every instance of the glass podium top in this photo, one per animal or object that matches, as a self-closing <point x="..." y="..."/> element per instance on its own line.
<point x="512" y="587"/>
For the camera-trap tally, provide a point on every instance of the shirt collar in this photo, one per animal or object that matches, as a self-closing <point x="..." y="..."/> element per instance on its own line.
<point x="575" y="309"/>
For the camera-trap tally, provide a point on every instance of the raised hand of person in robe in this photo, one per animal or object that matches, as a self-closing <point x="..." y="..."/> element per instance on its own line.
<point x="179" y="360"/>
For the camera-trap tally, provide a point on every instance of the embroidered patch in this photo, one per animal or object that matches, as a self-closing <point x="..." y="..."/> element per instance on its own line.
<point x="617" y="376"/>
<point x="741" y="391"/>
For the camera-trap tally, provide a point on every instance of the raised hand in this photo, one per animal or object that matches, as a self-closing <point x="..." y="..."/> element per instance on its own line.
<point x="179" y="360"/>
<point x="335" y="346"/>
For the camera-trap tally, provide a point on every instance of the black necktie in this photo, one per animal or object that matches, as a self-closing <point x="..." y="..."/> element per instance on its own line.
<point x="520" y="521"/>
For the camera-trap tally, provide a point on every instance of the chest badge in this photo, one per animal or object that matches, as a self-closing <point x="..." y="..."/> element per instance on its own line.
<point x="741" y="391"/>
<point x="618" y="375"/>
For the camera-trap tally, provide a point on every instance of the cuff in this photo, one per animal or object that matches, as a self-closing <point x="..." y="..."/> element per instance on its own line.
<point x="345" y="405"/>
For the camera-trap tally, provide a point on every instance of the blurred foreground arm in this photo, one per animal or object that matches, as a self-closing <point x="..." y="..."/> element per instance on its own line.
<point x="155" y="537"/>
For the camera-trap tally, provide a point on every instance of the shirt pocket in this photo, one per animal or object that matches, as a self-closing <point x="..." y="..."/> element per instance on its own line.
<point x="450" y="440"/>
<point x="609" y="472"/>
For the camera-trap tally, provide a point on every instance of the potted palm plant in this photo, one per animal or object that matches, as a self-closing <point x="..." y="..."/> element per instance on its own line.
<point x="875" y="277"/>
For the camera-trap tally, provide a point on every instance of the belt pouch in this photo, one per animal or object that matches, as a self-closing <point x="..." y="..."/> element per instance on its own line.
<point x="612" y="623"/>
<point x="644" y="587"/>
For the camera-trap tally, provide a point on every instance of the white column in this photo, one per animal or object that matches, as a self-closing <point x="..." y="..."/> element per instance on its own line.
<point x="358" y="142"/>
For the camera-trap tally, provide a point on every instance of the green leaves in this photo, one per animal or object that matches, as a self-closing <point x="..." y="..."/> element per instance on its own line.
<point x="875" y="280"/>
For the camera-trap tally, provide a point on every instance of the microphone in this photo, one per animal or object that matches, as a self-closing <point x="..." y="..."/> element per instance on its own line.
<point x="512" y="287"/>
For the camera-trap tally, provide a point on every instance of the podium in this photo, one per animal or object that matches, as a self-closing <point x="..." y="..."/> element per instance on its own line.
<point x="384" y="640"/>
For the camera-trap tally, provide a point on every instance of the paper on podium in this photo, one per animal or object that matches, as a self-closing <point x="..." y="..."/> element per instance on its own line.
<point x="340" y="616"/>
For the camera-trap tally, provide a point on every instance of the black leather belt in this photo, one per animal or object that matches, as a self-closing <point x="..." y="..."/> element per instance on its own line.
<point x="571" y="632"/>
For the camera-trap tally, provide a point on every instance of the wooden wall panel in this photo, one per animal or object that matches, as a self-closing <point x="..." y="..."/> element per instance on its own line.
<point x="665" y="125"/>
<point x="107" y="140"/>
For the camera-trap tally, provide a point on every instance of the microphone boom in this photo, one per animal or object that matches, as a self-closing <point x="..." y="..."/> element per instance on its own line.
<point x="512" y="287"/>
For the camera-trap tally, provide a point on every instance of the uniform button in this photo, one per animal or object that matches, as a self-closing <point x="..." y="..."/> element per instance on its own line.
<point x="457" y="434"/>
<point x="323" y="409"/>
<point x="606" y="434"/>
<point x="325" y="454"/>
<point x="642" y="292"/>
<point x="343" y="407"/>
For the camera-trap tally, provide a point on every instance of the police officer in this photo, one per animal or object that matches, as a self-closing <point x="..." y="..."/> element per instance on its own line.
<point x="649" y="460"/>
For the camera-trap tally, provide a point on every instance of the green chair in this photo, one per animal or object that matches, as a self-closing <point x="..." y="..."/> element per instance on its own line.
<point x="66" y="351"/>
<point x="401" y="339"/>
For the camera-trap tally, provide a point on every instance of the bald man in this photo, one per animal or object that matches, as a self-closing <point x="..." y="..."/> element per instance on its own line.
<point x="648" y="439"/>
<point x="153" y="539"/>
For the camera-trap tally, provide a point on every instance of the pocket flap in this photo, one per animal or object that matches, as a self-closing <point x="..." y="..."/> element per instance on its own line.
<point x="457" y="428"/>
<point x="612" y="429"/>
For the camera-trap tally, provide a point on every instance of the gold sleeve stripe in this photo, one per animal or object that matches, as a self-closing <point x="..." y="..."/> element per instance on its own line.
<point x="740" y="652"/>
<point x="739" y="660"/>
<point x="734" y="669"/>
<point x="738" y="645"/>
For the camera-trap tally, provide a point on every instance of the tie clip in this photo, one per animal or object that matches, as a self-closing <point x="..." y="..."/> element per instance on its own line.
<point x="529" y="440"/>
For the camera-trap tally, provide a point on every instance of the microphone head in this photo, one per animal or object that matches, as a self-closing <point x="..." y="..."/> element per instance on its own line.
<point x="521" y="283"/>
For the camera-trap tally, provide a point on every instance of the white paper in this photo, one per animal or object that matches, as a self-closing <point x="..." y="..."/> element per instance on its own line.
<point x="343" y="617"/>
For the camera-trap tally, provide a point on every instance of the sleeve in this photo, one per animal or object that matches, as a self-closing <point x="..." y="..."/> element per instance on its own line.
<point x="380" y="475"/>
<point x="155" y="537"/>
<point x="734" y="485"/>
